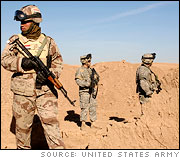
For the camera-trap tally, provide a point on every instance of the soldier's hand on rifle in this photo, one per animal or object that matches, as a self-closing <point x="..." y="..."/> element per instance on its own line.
<point x="41" y="78"/>
<point x="158" y="90"/>
<point x="28" y="64"/>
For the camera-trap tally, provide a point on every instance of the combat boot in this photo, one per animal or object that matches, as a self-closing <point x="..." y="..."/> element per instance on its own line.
<point x="95" y="126"/>
<point x="83" y="125"/>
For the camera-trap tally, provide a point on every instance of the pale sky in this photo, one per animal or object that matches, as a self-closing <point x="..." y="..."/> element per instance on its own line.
<point x="110" y="30"/>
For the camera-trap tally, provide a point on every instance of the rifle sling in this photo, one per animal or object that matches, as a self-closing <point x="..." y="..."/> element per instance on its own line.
<point x="42" y="46"/>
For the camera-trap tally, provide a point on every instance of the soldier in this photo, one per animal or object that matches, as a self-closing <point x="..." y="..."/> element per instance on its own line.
<point x="87" y="80"/>
<point x="146" y="81"/>
<point x="32" y="90"/>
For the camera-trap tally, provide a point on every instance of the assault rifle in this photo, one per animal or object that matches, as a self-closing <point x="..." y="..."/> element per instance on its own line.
<point x="158" y="84"/>
<point x="94" y="83"/>
<point x="41" y="67"/>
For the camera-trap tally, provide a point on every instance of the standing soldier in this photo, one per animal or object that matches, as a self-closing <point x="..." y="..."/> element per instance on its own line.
<point x="32" y="90"/>
<point x="87" y="80"/>
<point x="147" y="82"/>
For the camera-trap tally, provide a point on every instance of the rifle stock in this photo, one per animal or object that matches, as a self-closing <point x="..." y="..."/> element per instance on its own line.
<point x="50" y="76"/>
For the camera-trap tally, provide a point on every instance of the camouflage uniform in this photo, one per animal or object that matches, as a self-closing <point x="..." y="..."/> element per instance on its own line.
<point x="27" y="98"/>
<point x="87" y="102"/>
<point x="146" y="84"/>
<point x="83" y="80"/>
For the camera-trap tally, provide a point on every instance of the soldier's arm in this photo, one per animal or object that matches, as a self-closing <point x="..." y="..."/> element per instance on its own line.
<point x="82" y="82"/>
<point x="145" y="86"/>
<point x="9" y="59"/>
<point x="57" y="61"/>
<point x="144" y="83"/>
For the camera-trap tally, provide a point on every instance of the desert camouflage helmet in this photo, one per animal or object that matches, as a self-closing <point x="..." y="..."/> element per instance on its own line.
<point x="148" y="58"/>
<point x="28" y="12"/>
<point x="84" y="59"/>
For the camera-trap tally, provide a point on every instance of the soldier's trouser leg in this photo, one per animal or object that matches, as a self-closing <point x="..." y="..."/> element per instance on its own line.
<point x="84" y="105"/>
<point x="47" y="107"/>
<point x="143" y="100"/>
<point x="83" y="116"/>
<point x="23" y="111"/>
<point x="92" y="110"/>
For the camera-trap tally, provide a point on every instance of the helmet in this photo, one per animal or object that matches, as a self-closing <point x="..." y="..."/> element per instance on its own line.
<point x="148" y="58"/>
<point x="86" y="58"/>
<point x="28" y="12"/>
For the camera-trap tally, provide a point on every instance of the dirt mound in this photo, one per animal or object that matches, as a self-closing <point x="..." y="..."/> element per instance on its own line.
<point x="117" y="112"/>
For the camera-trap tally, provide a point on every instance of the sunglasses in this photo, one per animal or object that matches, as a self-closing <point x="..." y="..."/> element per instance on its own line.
<point x="21" y="16"/>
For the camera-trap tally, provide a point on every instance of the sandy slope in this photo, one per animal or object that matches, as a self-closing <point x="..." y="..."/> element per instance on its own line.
<point x="117" y="106"/>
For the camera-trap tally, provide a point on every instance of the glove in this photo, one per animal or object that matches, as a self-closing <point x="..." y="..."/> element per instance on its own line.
<point x="149" y="93"/>
<point x="40" y="79"/>
<point x="28" y="64"/>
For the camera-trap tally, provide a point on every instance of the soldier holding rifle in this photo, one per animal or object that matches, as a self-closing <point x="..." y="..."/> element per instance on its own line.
<point x="87" y="79"/>
<point x="31" y="87"/>
<point x="147" y="81"/>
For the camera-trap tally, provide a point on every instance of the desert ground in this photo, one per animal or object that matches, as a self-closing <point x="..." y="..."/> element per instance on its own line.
<point x="117" y="111"/>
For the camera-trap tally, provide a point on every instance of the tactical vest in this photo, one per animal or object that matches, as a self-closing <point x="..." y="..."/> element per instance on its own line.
<point x="149" y="78"/>
<point x="33" y="47"/>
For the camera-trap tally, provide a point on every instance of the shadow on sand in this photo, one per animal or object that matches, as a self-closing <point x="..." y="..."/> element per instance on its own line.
<point x="117" y="119"/>
<point x="73" y="117"/>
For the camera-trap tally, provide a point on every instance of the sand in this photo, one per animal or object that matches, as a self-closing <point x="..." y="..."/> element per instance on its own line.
<point x="117" y="111"/>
